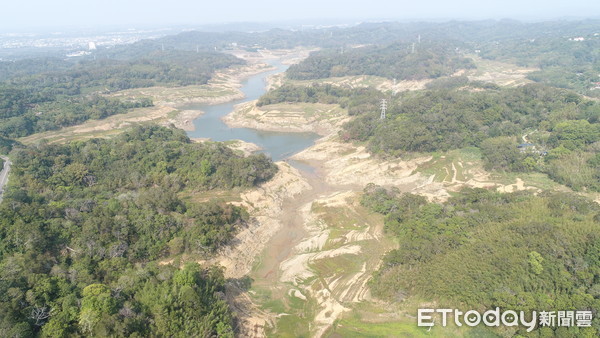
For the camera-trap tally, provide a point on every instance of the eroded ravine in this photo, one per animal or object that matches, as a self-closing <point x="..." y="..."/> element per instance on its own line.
<point x="292" y="230"/>
<point x="317" y="265"/>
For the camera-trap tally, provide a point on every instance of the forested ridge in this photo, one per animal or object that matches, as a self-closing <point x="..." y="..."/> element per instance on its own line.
<point x="563" y="129"/>
<point x="44" y="94"/>
<point x="378" y="33"/>
<point x="82" y="226"/>
<point x="33" y="117"/>
<point x="483" y="249"/>
<point x="400" y="61"/>
<point x="170" y="67"/>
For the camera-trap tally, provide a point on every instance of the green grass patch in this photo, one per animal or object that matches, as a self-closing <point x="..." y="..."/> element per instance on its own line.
<point x="354" y="327"/>
<point x="226" y="196"/>
<point x="339" y="265"/>
<point x="296" y="303"/>
<point x="538" y="180"/>
<point x="336" y="217"/>
<point x="274" y="305"/>
<point x="291" y="326"/>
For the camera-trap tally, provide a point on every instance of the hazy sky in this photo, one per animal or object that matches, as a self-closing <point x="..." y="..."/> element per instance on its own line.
<point x="31" y="14"/>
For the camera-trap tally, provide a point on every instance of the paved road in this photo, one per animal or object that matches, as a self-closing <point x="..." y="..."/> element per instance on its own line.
<point x="4" y="175"/>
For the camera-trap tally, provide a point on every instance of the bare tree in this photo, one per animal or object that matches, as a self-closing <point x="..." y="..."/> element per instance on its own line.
<point x="39" y="314"/>
<point x="90" y="180"/>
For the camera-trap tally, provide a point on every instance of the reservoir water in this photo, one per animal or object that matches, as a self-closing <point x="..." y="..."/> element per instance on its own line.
<point x="277" y="145"/>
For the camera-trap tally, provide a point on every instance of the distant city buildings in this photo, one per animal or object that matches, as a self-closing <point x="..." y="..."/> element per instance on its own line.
<point x="78" y="53"/>
<point x="70" y="40"/>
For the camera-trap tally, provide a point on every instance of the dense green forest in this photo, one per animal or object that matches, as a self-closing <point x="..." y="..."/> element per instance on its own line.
<point x="483" y="249"/>
<point x="27" y="118"/>
<point x="30" y="66"/>
<point x="82" y="226"/>
<point x="357" y="101"/>
<point x="44" y="94"/>
<point x="562" y="128"/>
<point x="171" y="67"/>
<point x="396" y="61"/>
<point x="6" y="145"/>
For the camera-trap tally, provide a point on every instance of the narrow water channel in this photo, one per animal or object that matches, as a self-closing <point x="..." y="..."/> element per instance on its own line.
<point x="277" y="145"/>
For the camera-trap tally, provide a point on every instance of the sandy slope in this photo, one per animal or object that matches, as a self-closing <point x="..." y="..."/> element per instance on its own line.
<point x="319" y="118"/>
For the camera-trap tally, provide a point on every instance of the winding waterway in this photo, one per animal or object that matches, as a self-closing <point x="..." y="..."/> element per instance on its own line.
<point x="277" y="145"/>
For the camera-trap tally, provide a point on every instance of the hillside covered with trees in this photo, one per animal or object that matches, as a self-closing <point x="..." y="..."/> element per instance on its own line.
<point x="44" y="94"/>
<point x="563" y="126"/>
<point x="484" y="249"/>
<point x="564" y="61"/>
<point x="395" y="61"/>
<point x="565" y="138"/>
<point x="84" y="224"/>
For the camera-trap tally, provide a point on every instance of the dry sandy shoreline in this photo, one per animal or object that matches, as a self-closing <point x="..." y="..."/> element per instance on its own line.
<point x="231" y="79"/>
<point x="269" y="118"/>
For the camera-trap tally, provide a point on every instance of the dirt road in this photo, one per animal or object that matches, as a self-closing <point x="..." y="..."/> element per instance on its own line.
<point x="4" y="175"/>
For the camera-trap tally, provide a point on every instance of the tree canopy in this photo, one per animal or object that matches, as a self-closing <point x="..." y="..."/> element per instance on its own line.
<point x="395" y="61"/>
<point x="483" y="249"/>
<point x="82" y="226"/>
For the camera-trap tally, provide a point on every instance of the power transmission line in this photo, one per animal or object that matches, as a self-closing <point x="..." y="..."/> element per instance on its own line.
<point x="383" y="108"/>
